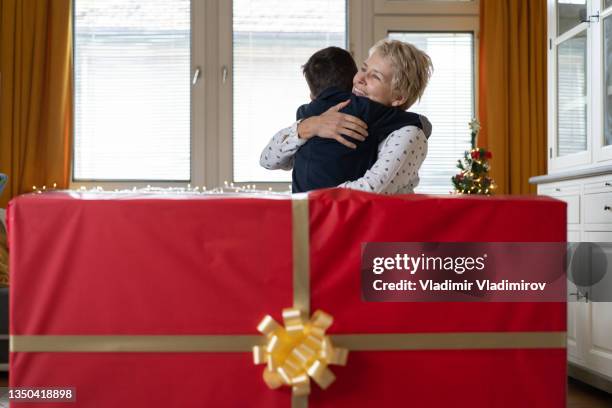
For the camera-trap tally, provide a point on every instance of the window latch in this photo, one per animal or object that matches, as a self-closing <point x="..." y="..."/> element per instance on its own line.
<point x="224" y="73"/>
<point x="196" y="76"/>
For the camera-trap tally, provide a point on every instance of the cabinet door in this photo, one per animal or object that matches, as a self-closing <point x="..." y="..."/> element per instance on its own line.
<point x="570" y="193"/>
<point x="575" y="311"/>
<point x="569" y="60"/>
<point x="598" y="318"/>
<point x="602" y="76"/>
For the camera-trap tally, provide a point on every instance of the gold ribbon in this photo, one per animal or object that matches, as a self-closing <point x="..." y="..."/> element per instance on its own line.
<point x="300" y="232"/>
<point x="301" y="295"/>
<point x="245" y="343"/>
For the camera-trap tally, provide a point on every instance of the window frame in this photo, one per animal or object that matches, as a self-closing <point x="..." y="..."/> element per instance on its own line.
<point x="428" y="7"/>
<point x="197" y="119"/>
<point x="383" y="25"/>
<point x="211" y="98"/>
<point x="225" y="167"/>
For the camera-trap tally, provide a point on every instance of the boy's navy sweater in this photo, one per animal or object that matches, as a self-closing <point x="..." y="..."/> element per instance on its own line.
<point x="321" y="162"/>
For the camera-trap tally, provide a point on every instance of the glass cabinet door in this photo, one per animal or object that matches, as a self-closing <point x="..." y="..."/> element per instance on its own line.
<point x="570" y="13"/>
<point x="572" y="95"/>
<point x="601" y="87"/>
<point x="607" y="79"/>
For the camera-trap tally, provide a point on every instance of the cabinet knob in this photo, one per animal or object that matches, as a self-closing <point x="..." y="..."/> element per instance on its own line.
<point x="607" y="208"/>
<point x="607" y="184"/>
<point x="580" y="296"/>
<point x="557" y="189"/>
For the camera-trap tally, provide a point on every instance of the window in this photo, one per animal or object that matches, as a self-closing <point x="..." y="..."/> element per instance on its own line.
<point x="139" y="119"/>
<point x="272" y="39"/>
<point x="132" y="90"/>
<point x="448" y="103"/>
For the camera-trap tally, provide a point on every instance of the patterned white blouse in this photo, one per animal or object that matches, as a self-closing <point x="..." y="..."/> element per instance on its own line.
<point x="396" y="171"/>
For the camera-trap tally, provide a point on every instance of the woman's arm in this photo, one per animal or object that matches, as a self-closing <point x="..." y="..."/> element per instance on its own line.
<point x="278" y="153"/>
<point x="399" y="159"/>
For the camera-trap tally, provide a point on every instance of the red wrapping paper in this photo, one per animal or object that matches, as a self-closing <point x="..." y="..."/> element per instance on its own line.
<point x="217" y="264"/>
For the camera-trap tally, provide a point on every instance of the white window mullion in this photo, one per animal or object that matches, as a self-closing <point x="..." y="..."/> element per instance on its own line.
<point x="199" y="119"/>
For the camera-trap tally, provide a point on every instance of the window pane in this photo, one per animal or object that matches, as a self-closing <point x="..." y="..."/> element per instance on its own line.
<point x="448" y="102"/>
<point x="571" y="95"/>
<point x="570" y="13"/>
<point x="272" y="40"/>
<point x="132" y="90"/>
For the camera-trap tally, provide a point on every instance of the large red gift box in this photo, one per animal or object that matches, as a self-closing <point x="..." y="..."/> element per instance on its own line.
<point x="115" y="264"/>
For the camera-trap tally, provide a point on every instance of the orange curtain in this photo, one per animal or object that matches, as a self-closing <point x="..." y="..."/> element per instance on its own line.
<point x="35" y="94"/>
<point x="512" y="91"/>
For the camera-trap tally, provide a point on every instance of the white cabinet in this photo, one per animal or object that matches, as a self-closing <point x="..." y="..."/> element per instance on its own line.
<point x="598" y="315"/>
<point x="580" y="157"/>
<point x="589" y="216"/>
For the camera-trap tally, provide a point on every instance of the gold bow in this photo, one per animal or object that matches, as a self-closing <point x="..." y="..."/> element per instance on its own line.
<point x="299" y="351"/>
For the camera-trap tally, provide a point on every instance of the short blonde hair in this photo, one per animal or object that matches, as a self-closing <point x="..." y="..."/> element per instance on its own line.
<point x="412" y="69"/>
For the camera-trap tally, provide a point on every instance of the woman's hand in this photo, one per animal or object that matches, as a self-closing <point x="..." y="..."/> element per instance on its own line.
<point x="332" y="125"/>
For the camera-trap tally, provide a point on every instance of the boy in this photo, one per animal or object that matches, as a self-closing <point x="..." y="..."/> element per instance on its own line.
<point x="320" y="162"/>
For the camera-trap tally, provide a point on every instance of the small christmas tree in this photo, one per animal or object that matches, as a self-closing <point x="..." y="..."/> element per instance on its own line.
<point x="473" y="177"/>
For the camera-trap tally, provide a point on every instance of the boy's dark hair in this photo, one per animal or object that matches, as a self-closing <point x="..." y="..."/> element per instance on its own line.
<point x="331" y="66"/>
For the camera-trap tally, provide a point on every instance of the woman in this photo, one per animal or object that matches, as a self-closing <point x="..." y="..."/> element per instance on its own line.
<point x="395" y="74"/>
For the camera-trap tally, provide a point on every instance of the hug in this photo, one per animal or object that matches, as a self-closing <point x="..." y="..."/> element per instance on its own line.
<point x="356" y="133"/>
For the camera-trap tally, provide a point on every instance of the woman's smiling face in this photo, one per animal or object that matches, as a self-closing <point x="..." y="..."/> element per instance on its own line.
<point x="373" y="80"/>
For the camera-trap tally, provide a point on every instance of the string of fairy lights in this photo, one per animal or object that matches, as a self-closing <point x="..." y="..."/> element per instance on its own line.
<point x="473" y="178"/>
<point x="227" y="188"/>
